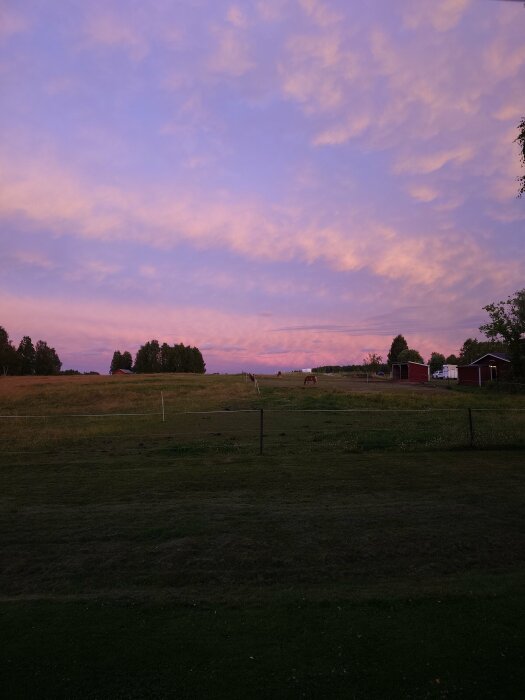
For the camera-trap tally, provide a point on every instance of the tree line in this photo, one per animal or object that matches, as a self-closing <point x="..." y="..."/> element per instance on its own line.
<point x="152" y="358"/>
<point x="505" y="333"/>
<point x="39" y="359"/>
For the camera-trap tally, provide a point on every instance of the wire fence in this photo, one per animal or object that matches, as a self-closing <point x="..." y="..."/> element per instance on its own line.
<point x="258" y="431"/>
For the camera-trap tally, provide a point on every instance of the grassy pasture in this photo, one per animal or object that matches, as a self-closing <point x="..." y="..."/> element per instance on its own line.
<point x="150" y="559"/>
<point x="339" y="415"/>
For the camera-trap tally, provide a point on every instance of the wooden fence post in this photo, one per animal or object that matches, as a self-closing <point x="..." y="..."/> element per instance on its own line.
<point x="261" y="428"/>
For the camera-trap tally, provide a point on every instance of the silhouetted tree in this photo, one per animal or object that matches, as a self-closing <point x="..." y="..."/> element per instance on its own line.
<point x="46" y="359"/>
<point x="473" y="349"/>
<point x="148" y="358"/>
<point x="436" y="362"/>
<point x="126" y="360"/>
<point x="8" y="354"/>
<point x="153" y="357"/>
<point x="116" y="361"/>
<point x="197" y="361"/>
<point x="521" y="142"/>
<point x="26" y="356"/>
<point x="398" y="345"/>
<point x="507" y="321"/>
<point x="121" y="361"/>
<point x="452" y="360"/>
<point x="409" y="355"/>
<point x="373" y="362"/>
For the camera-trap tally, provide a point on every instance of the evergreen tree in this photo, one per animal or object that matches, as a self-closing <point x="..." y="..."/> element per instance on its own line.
<point x="398" y="345"/>
<point x="126" y="360"/>
<point x="116" y="362"/>
<point x="148" y="358"/>
<point x="121" y="361"/>
<point x="26" y="356"/>
<point x="152" y="357"/>
<point x="197" y="361"/>
<point x="46" y="359"/>
<point x="167" y="358"/>
<point x="8" y="354"/>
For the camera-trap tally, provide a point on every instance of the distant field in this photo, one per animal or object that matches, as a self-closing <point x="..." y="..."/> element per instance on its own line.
<point x="221" y="414"/>
<point x="143" y="558"/>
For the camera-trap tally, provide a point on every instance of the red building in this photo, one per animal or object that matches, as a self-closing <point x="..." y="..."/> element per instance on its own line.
<point x="410" y="372"/>
<point x="122" y="371"/>
<point x="488" y="368"/>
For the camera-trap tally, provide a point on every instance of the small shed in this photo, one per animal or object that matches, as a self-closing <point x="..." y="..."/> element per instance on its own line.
<point x="487" y="368"/>
<point x="410" y="372"/>
<point x="122" y="371"/>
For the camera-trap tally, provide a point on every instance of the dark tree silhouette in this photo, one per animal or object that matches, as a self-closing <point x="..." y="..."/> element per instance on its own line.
<point x="398" y="345"/>
<point x="507" y="321"/>
<point x="8" y="355"/>
<point x="521" y="140"/>
<point x="436" y="362"/>
<point x="410" y="355"/>
<point x="26" y="356"/>
<point x="472" y="349"/>
<point x="152" y="357"/>
<point x="46" y="359"/>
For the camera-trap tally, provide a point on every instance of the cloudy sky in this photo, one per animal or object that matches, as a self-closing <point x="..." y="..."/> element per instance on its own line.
<point x="283" y="183"/>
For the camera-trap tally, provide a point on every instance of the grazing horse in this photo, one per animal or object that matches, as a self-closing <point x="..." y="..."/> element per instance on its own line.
<point x="310" y="379"/>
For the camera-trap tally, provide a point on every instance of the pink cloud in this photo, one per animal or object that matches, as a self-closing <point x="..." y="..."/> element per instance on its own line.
<point x="33" y="258"/>
<point x="58" y="199"/>
<point x="423" y="193"/>
<point x="243" y="341"/>
<point x="12" y="23"/>
<point x="272" y="10"/>
<point x="232" y="54"/>
<point x="236" y="16"/>
<point x="429" y="163"/>
<point x="442" y="16"/>
<point x="321" y="13"/>
<point x="104" y="28"/>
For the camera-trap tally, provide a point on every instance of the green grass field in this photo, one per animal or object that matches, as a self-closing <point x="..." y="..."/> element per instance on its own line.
<point x="143" y="558"/>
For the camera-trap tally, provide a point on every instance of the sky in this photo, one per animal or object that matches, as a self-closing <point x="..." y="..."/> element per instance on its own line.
<point x="282" y="183"/>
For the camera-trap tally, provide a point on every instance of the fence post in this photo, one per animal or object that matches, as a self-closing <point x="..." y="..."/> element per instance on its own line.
<point x="162" y="402"/>
<point x="261" y="428"/>
<point x="471" y="427"/>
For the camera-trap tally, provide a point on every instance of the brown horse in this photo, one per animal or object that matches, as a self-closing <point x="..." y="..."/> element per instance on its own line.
<point x="310" y="379"/>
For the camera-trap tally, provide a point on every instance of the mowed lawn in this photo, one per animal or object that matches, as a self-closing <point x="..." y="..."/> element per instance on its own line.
<point x="163" y="568"/>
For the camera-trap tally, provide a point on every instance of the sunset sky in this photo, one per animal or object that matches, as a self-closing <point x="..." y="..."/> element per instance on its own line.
<point x="283" y="183"/>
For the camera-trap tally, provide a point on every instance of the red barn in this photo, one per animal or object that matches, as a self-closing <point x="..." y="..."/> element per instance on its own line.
<point x="122" y="371"/>
<point x="410" y="372"/>
<point x="487" y="368"/>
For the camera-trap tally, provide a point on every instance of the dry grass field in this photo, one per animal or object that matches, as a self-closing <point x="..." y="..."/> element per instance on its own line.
<point x="142" y="558"/>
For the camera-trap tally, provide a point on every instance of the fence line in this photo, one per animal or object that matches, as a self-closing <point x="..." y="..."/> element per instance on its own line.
<point x="84" y="415"/>
<point x="266" y="410"/>
<point x="344" y="431"/>
<point x="152" y="413"/>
